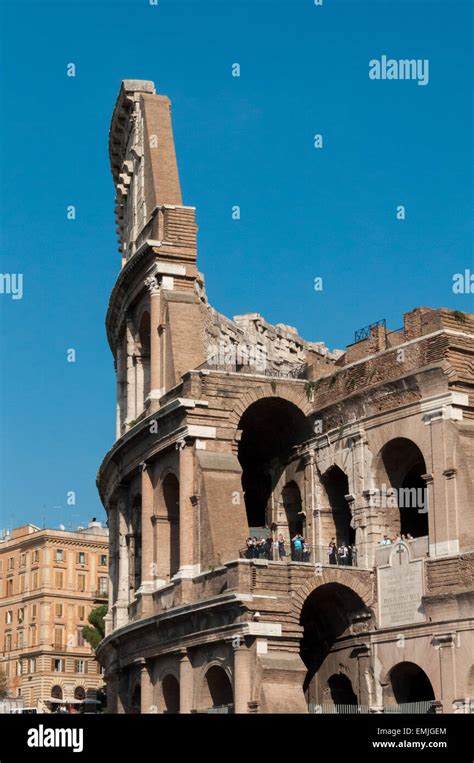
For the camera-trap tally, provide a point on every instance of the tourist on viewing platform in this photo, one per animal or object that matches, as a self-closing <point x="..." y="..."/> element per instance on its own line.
<point x="332" y="551"/>
<point x="343" y="555"/>
<point x="297" y="548"/>
<point x="352" y="556"/>
<point x="261" y="548"/>
<point x="281" y="546"/>
<point x="385" y="541"/>
<point x="268" y="547"/>
<point x="306" y="551"/>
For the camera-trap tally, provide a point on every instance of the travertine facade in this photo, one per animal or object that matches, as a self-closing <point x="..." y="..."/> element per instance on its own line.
<point x="50" y="580"/>
<point x="227" y="424"/>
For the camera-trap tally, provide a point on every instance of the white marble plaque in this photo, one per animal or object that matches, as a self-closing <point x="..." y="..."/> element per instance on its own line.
<point x="400" y="588"/>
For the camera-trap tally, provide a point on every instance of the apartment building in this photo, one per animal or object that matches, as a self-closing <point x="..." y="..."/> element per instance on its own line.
<point x="50" y="580"/>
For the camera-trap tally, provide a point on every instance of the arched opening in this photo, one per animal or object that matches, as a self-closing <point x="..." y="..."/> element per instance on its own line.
<point x="79" y="693"/>
<point x="57" y="692"/>
<point x="330" y="613"/>
<point x="143" y="361"/>
<point x="217" y="689"/>
<point x="336" y="484"/>
<point x="341" y="690"/>
<point x="401" y="467"/>
<point x="170" y="688"/>
<point x="171" y="500"/>
<point x="135" y="705"/>
<point x="408" y="683"/>
<point x="135" y="544"/>
<point x="270" y="428"/>
<point x="291" y="498"/>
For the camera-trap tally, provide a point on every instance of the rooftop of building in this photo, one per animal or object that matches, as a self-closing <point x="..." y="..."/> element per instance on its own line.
<point x="24" y="532"/>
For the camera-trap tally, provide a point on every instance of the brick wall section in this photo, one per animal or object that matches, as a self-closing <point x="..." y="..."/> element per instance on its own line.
<point x="161" y="169"/>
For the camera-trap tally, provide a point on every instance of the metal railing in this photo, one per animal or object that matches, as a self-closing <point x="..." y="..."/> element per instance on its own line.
<point x="308" y="555"/>
<point x="424" y="707"/>
<point x="365" y="331"/>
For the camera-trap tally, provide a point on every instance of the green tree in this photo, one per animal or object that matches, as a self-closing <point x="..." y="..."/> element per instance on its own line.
<point x="95" y="632"/>
<point x="3" y="684"/>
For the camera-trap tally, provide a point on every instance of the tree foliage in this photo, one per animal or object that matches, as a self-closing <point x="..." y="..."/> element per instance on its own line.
<point x="95" y="632"/>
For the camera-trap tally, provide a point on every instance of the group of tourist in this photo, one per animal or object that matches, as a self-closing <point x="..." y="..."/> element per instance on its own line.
<point x="264" y="548"/>
<point x="386" y="541"/>
<point x="344" y="554"/>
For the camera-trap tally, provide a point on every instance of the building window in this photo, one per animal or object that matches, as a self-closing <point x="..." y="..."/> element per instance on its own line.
<point x="102" y="585"/>
<point x="81" y="557"/>
<point x="18" y="668"/>
<point x="21" y="615"/>
<point x="58" y="638"/>
<point x="32" y="665"/>
<point x="20" y="640"/>
<point x="103" y="560"/>
<point x="59" y="555"/>
<point x="9" y="616"/>
<point x="81" y="613"/>
<point x="80" y="637"/>
<point x="10" y="587"/>
<point x="35" y="556"/>
<point x="59" y="610"/>
<point x="23" y="560"/>
<point x="57" y="665"/>
<point x="33" y="611"/>
<point x="81" y="666"/>
<point x="58" y="579"/>
<point x="11" y="563"/>
<point x="81" y="582"/>
<point x="33" y="636"/>
<point x="35" y="580"/>
<point x="8" y="642"/>
<point x="22" y="583"/>
<point x="1" y="566"/>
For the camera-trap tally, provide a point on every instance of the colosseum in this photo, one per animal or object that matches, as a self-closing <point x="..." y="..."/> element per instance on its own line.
<point x="291" y="528"/>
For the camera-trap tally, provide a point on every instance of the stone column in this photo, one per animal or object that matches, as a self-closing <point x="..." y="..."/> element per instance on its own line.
<point x="186" y="681"/>
<point x="156" y="389"/>
<point x="186" y="493"/>
<point x="446" y="645"/>
<point x="442" y="516"/>
<point x="131" y="381"/>
<point x="148" y="562"/>
<point x="242" y="678"/>
<point x="123" y="591"/>
<point x="118" y="429"/>
<point x="147" y="704"/>
<point x="113" y="565"/>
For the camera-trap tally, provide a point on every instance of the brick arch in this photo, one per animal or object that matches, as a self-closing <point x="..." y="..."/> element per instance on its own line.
<point x="262" y="392"/>
<point x="361" y="583"/>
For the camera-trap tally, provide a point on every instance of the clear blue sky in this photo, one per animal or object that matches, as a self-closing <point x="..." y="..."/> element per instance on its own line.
<point x="246" y="141"/>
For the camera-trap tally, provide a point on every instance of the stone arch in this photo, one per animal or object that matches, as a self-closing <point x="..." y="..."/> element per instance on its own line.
<point x="330" y="615"/>
<point x="360" y="582"/>
<point x="170" y="690"/>
<point x="407" y="682"/>
<point x="258" y="393"/>
<point x="270" y="427"/>
<point x="398" y="466"/>
<point x="215" y="685"/>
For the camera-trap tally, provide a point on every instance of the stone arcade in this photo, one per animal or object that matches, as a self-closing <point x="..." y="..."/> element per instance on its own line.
<point x="207" y="450"/>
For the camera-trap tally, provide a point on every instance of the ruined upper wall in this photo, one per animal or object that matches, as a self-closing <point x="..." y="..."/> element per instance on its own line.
<point x="142" y="160"/>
